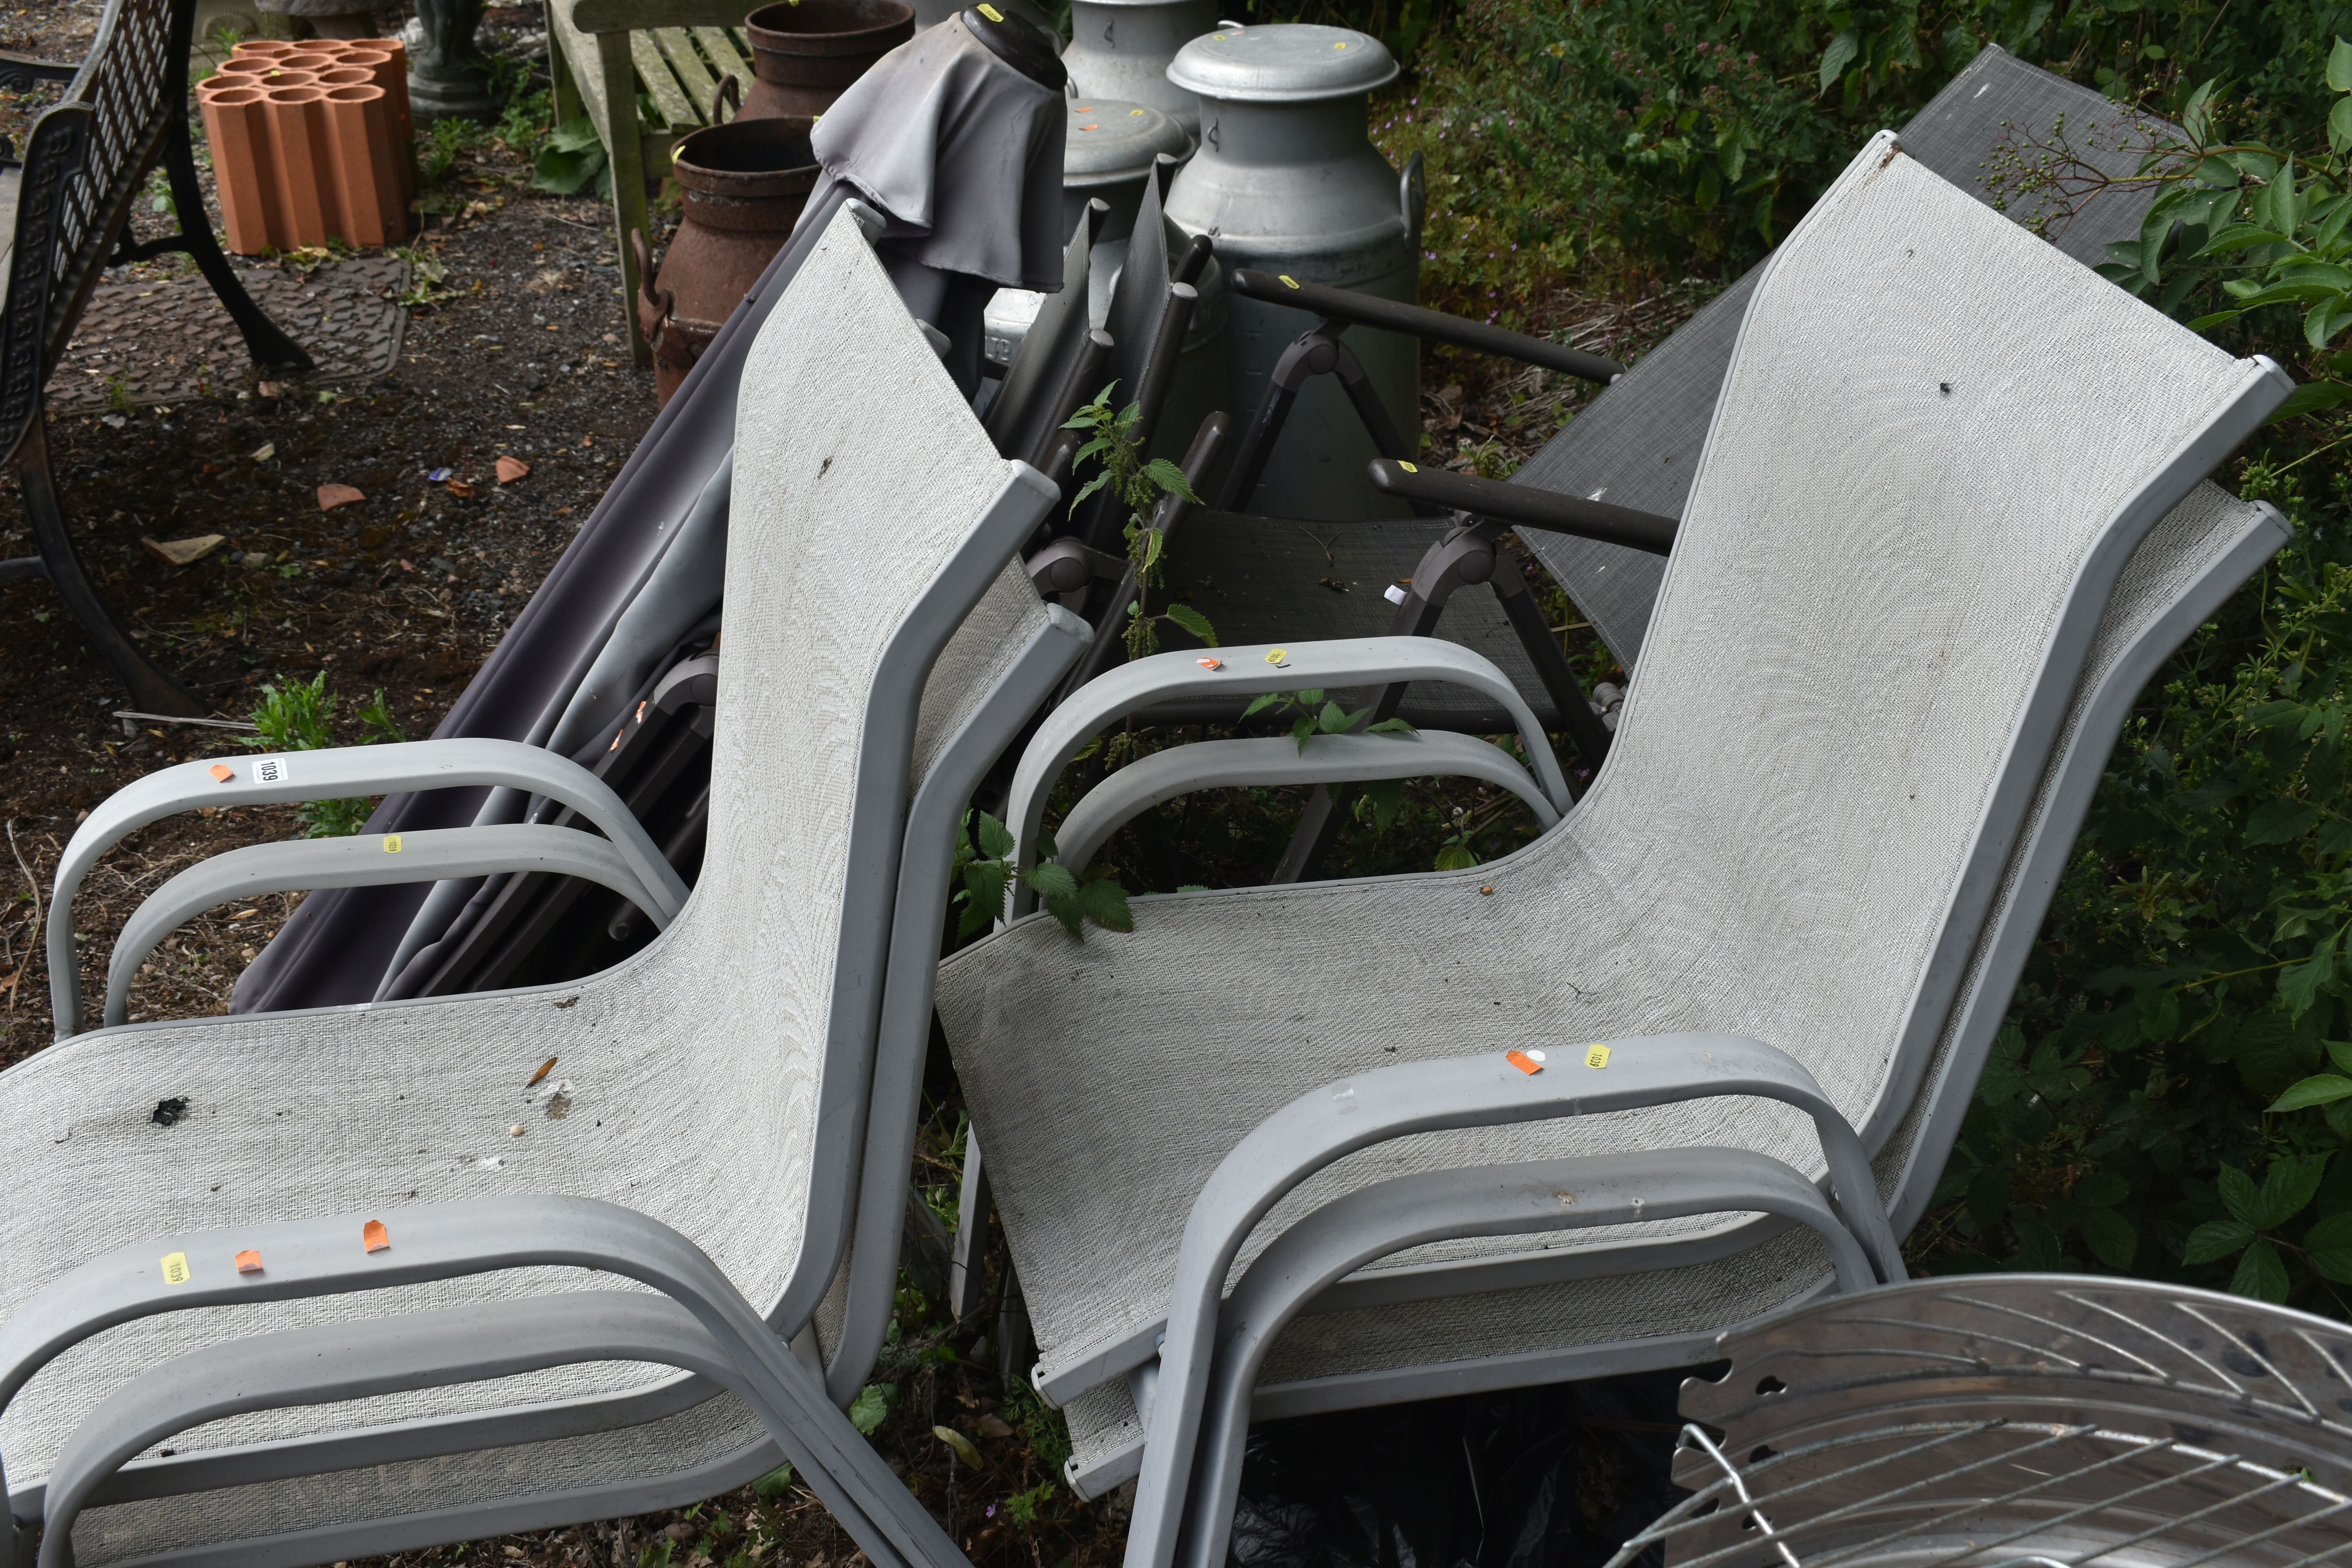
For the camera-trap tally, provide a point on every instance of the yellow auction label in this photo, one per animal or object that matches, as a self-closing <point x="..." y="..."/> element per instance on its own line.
<point x="1596" y="1056"/>
<point x="392" y="843"/>
<point x="1408" y="467"/>
<point x="1287" y="278"/>
<point x="175" y="1268"/>
<point x="992" y="13"/>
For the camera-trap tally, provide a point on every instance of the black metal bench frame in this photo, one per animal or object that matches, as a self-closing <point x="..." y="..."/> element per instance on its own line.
<point x="86" y="159"/>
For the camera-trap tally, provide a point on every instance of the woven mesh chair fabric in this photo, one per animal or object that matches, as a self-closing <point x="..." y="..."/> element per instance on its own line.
<point x="2179" y="552"/>
<point x="1854" y="632"/>
<point x="691" y="1070"/>
<point x="1638" y="443"/>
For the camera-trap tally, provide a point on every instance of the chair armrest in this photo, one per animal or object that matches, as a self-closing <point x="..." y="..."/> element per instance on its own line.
<point x="1544" y="1195"/>
<point x="370" y="860"/>
<point x="1526" y="505"/>
<point x="1247" y="672"/>
<point x="1414" y="320"/>
<point x="338" y="772"/>
<point x="1326" y="1124"/>
<point x="19" y="72"/>
<point x="310" y="1258"/>
<point x="1326" y="759"/>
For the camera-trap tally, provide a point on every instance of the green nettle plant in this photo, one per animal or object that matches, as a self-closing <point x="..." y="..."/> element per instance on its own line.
<point x="1316" y="714"/>
<point x="984" y="865"/>
<point x="1137" y="485"/>
<point x="299" y="717"/>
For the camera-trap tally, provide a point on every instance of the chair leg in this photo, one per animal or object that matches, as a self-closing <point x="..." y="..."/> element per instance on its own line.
<point x="270" y="347"/>
<point x="149" y="686"/>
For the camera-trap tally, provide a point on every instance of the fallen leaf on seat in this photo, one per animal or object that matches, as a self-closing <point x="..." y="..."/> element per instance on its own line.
<point x="332" y="496"/>
<point x="183" y="552"/>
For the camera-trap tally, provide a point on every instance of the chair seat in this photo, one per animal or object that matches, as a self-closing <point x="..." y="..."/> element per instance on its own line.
<point x="394" y="1106"/>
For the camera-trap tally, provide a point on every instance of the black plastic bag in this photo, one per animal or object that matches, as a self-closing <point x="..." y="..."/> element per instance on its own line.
<point x="1535" y="1478"/>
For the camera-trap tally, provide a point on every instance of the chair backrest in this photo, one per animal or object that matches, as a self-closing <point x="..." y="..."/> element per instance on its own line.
<point x="85" y="160"/>
<point x="1639" y="441"/>
<point x="870" y="515"/>
<point x="1938" y="441"/>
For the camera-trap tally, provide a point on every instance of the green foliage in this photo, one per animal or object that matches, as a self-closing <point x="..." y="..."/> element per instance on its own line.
<point x="1678" y="136"/>
<point x="871" y="1407"/>
<point x="2181" y="1025"/>
<point x="1137" y="485"/>
<point x="299" y="717"/>
<point x="776" y="1483"/>
<point x="984" y="866"/>
<point x="1044" y="1428"/>
<point x="570" y="158"/>
<point x="1022" y="1508"/>
<point x="427" y="278"/>
<point x="1317" y="714"/>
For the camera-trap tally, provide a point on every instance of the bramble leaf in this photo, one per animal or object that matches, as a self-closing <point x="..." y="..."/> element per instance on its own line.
<point x="2319" y="1089"/>
<point x="1834" y="60"/>
<point x="2260" y="1275"/>
<point x="2214" y="1239"/>
<point x="2110" y="1237"/>
<point x="2328" y="1247"/>
<point x="1193" y="621"/>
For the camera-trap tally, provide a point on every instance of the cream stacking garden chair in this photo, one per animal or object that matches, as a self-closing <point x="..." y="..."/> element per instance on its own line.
<point x="386" y="1232"/>
<point x="1576" y="1110"/>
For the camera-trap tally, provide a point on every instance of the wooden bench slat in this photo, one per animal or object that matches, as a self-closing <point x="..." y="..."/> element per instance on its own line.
<point x="580" y="47"/>
<point x="622" y="16"/>
<point x="725" y="59"/>
<point x="693" y="71"/>
<point x="669" y="99"/>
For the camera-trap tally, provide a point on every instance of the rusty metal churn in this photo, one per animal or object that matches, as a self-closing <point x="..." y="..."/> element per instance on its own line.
<point x="804" y="53"/>
<point x="1122" y="48"/>
<point x="745" y="183"/>
<point x="1287" y="181"/>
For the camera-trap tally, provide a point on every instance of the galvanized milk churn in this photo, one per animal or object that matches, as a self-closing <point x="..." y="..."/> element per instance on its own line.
<point x="1120" y="48"/>
<point x="1287" y="181"/>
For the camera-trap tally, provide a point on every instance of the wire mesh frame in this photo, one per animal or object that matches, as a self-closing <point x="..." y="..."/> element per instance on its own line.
<point x="2107" y="1499"/>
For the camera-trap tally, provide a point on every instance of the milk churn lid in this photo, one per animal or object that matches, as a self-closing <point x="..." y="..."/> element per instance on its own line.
<point x="1285" y="62"/>
<point x="1110" y="141"/>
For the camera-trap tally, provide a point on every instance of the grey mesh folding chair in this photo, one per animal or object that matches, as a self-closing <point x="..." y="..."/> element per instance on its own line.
<point x="1635" y="447"/>
<point x="699" y="1130"/>
<point x="2024" y="1419"/>
<point x="1914" y="594"/>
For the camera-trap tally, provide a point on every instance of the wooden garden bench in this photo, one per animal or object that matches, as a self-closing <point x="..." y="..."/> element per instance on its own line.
<point x="65" y="216"/>
<point x="669" y="54"/>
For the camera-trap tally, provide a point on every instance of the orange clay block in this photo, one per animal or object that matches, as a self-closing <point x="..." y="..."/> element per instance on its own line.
<point x="365" y="189"/>
<point x="236" y="127"/>
<point x="249" y="1262"/>
<point x="223" y="773"/>
<point x="373" y="1237"/>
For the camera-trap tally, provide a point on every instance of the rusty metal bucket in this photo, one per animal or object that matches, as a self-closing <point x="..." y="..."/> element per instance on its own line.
<point x="805" y="52"/>
<point x="745" y="183"/>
